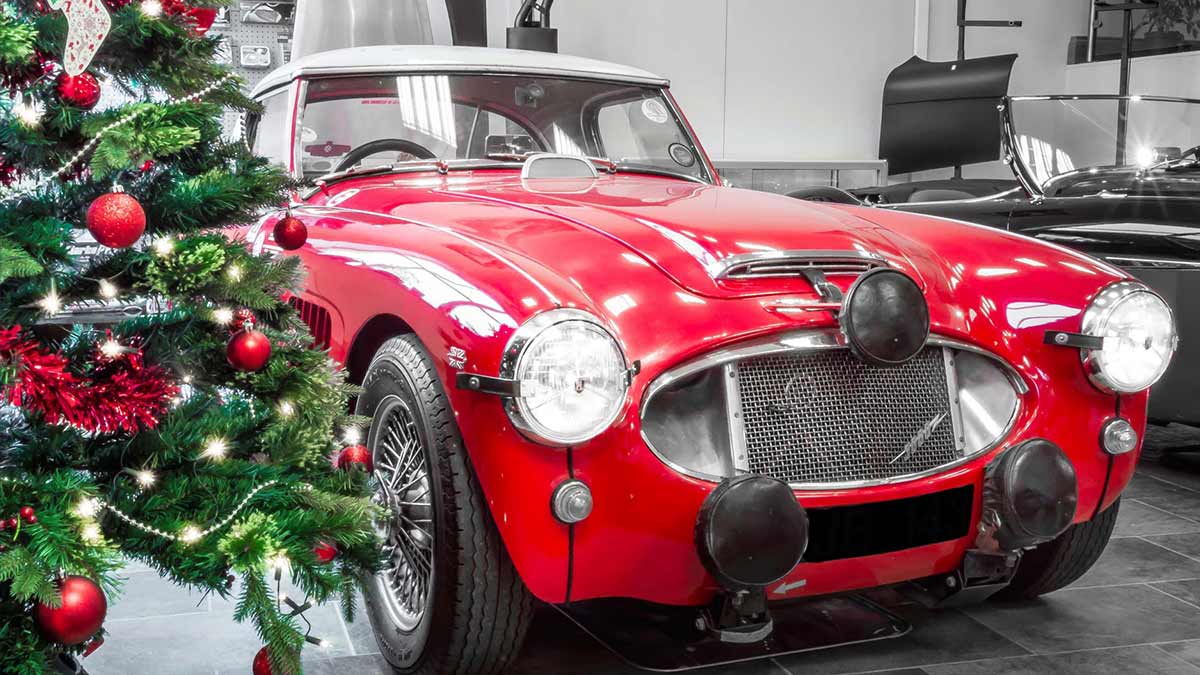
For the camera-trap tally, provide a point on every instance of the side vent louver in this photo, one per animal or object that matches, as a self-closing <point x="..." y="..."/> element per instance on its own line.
<point x="317" y="319"/>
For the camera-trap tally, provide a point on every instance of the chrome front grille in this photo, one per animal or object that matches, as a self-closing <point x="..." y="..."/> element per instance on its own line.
<point x="824" y="417"/>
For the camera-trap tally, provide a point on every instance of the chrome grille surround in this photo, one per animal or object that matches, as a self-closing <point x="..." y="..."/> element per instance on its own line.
<point x="822" y="438"/>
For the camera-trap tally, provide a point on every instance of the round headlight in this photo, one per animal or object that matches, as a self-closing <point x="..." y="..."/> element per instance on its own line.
<point x="571" y="374"/>
<point x="1138" y="337"/>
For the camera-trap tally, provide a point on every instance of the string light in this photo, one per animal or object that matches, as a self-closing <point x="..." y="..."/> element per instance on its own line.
<point x="51" y="304"/>
<point x="187" y="379"/>
<point x="87" y="507"/>
<point x="278" y="563"/>
<point x="91" y="533"/>
<point x="352" y="436"/>
<point x="152" y="8"/>
<point x="108" y="290"/>
<point x="145" y="478"/>
<point x="28" y="111"/>
<point x="190" y="534"/>
<point x="216" y="449"/>
<point x="164" y="245"/>
<point x="286" y="409"/>
<point x="234" y="272"/>
<point x="222" y="316"/>
<point x="65" y="168"/>
<point x="111" y="349"/>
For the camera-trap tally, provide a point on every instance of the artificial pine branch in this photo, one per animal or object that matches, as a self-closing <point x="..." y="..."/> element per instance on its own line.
<point x="154" y="492"/>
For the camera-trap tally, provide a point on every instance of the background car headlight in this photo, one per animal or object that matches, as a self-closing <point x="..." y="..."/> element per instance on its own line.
<point x="572" y="377"/>
<point x="1138" y="333"/>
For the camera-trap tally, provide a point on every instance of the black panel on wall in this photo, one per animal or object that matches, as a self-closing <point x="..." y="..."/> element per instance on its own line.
<point x="468" y="22"/>
<point x="943" y="114"/>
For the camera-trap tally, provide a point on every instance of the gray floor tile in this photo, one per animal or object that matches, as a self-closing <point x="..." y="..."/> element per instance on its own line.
<point x="371" y="664"/>
<point x="1187" y="591"/>
<point x="938" y="636"/>
<point x="1175" y="500"/>
<point x="1090" y="618"/>
<point x="1184" y="544"/>
<point x="1135" y="560"/>
<point x="1118" y="661"/>
<point x="198" y="643"/>
<point x="145" y="595"/>
<point x="1185" y="651"/>
<point x="1139" y="518"/>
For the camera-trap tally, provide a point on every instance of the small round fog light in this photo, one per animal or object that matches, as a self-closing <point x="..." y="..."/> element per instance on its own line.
<point x="572" y="501"/>
<point x="1118" y="437"/>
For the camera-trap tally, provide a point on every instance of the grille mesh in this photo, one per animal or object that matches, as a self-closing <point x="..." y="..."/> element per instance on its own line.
<point x="827" y="417"/>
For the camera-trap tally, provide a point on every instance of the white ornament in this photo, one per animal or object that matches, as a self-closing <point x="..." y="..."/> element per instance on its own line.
<point x="88" y="24"/>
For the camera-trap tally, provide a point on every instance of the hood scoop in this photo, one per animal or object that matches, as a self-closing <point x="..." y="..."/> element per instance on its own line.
<point x="778" y="264"/>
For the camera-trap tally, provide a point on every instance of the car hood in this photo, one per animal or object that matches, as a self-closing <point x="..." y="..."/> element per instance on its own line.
<point x="688" y="230"/>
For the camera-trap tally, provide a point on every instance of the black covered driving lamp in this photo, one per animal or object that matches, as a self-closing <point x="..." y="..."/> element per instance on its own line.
<point x="885" y="318"/>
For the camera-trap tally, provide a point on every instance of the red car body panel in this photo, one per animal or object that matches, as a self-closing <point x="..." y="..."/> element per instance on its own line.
<point x="465" y="258"/>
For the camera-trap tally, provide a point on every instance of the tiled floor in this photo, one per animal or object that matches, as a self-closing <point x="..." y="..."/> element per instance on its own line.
<point x="1137" y="611"/>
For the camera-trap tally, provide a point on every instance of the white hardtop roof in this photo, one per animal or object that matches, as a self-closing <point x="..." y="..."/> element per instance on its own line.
<point x="429" y="58"/>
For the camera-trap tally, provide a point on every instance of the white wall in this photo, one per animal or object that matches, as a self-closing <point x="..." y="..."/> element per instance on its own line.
<point x="800" y="79"/>
<point x="1162" y="75"/>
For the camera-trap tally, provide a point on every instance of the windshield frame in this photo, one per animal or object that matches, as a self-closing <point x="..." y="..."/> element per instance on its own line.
<point x="1012" y="155"/>
<point x="707" y="169"/>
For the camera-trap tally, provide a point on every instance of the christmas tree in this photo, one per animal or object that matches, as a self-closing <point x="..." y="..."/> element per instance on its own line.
<point x="161" y="401"/>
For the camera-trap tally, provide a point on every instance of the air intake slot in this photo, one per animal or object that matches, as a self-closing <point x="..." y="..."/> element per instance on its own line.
<point x="317" y="319"/>
<point x="776" y="264"/>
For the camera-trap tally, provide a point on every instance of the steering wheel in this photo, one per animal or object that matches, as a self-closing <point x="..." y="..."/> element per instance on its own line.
<point x="383" y="145"/>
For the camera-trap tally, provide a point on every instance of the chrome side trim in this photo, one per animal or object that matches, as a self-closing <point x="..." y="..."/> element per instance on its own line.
<point x="733" y="415"/>
<point x="811" y="341"/>
<point x="789" y="263"/>
<point x="960" y="441"/>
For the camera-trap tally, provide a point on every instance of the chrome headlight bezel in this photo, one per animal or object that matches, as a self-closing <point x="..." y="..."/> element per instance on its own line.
<point x="1095" y="322"/>
<point x="513" y="364"/>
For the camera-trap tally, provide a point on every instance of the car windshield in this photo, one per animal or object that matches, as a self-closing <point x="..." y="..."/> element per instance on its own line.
<point x="371" y="121"/>
<point x="1078" y="146"/>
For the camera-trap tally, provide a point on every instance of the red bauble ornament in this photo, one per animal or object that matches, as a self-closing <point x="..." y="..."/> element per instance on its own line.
<point x="355" y="455"/>
<point x="116" y="220"/>
<point x="80" y="616"/>
<point x="248" y="350"/>
<point x="291" y="233"/>
<point x="242" y="319"/>
<point x="325" y="551"/>
<point x="81" y="91"/>
<point x="28" y="514"/>
<point x="12" y="523"/>
<point x="201" y="18"/>
<point x="262" y="663"/>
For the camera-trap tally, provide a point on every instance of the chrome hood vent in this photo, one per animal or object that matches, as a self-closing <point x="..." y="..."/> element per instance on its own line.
<point x="776" y="264"/>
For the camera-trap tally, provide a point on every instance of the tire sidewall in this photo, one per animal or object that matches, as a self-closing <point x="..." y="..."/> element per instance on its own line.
<point x="389" y="378"/>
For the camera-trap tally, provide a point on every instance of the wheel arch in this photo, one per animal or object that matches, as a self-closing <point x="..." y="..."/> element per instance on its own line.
<point x="377" y="330"/>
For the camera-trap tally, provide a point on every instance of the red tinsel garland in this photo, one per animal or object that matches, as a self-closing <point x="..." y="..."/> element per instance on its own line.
<point x="123" y="394"/>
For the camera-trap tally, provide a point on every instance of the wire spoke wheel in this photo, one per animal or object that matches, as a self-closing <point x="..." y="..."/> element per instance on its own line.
<point x="404" y="489"/>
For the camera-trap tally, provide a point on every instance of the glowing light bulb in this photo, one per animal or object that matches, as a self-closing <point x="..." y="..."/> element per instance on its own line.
<point x="51" y="304"/>
<point x="145" y="477"/>
<point x="234" y="272"/>
<point x="222" y="316"/>
<point x="278" y="563"/>
<point x="190" y="534"/>
<point x="91" y="533"/>
<point x="352" y="436"/>
<point x="152" y="8"/>
<point x="111" y="349"/>
<point x="216" y="449"/>
<point x="28" y="112"/>
<point x="164" y="245"/>
<point x="87" y="507"/>
<point x="286" y="409"/>
<point x="108" y="290"/>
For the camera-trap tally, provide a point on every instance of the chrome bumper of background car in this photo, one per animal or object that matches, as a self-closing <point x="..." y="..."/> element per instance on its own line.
<point x="799" y="407"/>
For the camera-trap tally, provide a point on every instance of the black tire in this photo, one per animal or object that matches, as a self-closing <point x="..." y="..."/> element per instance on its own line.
<point x="478" y="609"/>
<point x="1060" y="561"/>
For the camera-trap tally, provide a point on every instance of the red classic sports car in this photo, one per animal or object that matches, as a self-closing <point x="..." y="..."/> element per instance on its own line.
<point x="594" y="372"/>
